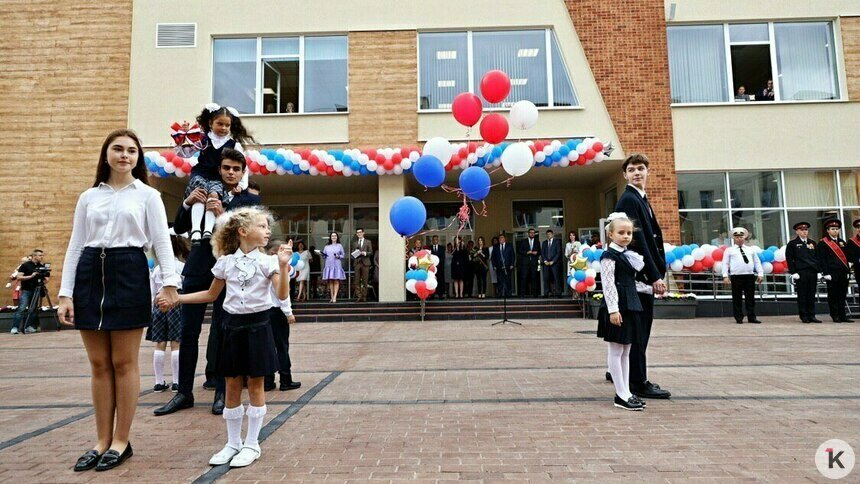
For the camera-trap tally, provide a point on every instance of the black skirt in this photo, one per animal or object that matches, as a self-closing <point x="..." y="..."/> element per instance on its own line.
<point x="112" y="289"/>
<point x="624" y="334"/>
<point x="248" y="346"/>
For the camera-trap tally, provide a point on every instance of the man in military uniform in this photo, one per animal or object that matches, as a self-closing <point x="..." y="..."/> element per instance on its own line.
<point x="833" y="262"/>
<point x="854" y="251"/>
<point x="803" y="266"/>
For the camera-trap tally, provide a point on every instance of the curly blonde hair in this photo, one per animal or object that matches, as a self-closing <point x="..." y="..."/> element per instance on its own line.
<point x="225" y="240"/>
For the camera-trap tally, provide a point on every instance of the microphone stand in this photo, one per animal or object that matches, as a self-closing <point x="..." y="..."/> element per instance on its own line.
<point x="505" y="319"/>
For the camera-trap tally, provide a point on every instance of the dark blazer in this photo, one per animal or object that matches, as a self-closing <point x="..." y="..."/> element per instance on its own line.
<point x="648" y="237"/>
<point x="551" y="252"/>
<point x="523" y="249"/>
<point x="800" y="256"/>
<point x="363" y="260"/>
<point x="828" y="262"/>
<point x="503" y="260"/>
<point x="440" y="253"/>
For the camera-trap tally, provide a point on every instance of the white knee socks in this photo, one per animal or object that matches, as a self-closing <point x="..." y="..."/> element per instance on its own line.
<point x="158" y="366"/>
<point x="174" y="365"/>
<point x="234" y="417"/>
<point x="255" y="423"/>
<point x="619" y="367"/>
<point x="209" y="223"/>
<point x="197" y="211"/>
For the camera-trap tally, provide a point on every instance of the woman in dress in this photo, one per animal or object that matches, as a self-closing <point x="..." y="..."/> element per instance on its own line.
<point x="459" y="261"/>
<point x="305" y="273"/>
<point x="333" y="271"/>
<point x="480" y="257"/>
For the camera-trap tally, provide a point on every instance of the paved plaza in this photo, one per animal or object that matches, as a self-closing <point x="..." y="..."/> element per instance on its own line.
<point x="441" y="401"/>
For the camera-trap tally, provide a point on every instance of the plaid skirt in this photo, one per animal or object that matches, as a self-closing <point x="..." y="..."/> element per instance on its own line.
<point x="199" y="181"/>
<point x="165" y="326"/>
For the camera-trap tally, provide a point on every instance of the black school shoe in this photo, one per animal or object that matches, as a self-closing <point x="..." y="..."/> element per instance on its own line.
<point x="112" y="458"/>
<point x="87" y="461"/>
<point x="651" y="390"/>
<point x="608" y="376"/>
<point x="289" y="385"/>
<point x="634" y="397"/>
<point x="630" y="404"/>
<point x="160" y="387"/>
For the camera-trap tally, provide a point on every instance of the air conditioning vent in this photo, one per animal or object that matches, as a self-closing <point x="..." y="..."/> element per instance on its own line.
<point x="176" y="35"/>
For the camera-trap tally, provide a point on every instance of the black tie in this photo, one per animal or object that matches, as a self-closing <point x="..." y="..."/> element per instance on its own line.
<point x="746" y="261"/>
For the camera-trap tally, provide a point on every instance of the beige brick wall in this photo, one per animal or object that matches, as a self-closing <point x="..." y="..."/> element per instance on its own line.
<point x="63" y="86"/>
<point x="851" y="50"/>
<point x="383" y="80"/>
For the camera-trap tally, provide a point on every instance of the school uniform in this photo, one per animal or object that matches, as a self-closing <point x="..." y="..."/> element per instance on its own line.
<point x="833" y="262"/>
<point x="801" y="259"/>
<point x="247" y="345"/>
<point x="742" y="266"/>
<point x="206" y="174"/>
<point x="619" y="268"/>
<point x="166" y="326"/>
<point x="106" y="272"/>
<point x="853" y="254"/>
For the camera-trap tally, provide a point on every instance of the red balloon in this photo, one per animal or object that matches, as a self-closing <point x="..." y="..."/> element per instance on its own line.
<point x="778" y="267"/>
<point x="178" y="162"/>
<point x="697" y="266"/>
<point x="421" y="253"/>
<point x="467" y="109"/>
<point x="450" y="166"/>
<point x="597" y="146"/>
<point x="538" y="146"/>
<point x="371" y="153"/>
<point x="404" y="152"/>
<point x="708" y="262"/>
<point x="718" y="254"/>
<point x="589" y="281"/>
<point x="472" y="146"/>
<point x="388" y="164"/>
<point x="463" y="152"/>
<point x="313" y="159"/>
<point x="495" y="86"/>
<point x="253" y="166"/>
<point x="581" y="160"/>
<point x="581" y="287"/>
<point x="263" y="170"/>
<point x="494" y="128"/>
<point x="186" y="168"/>
<point x="533" y="148"/>
<point x="590" y="154"/>
<point x="330" y="171"/>
<point x="396" y="158"/>
<point x="380" y="159"/>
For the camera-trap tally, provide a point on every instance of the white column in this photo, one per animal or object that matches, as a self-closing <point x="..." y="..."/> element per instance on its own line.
<point x="392" y="247"/>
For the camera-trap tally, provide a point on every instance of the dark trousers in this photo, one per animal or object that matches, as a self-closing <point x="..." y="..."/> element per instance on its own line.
<point x="805" y="287"/>
<point x="481" y="276"/>
<point x="469" y="281"/>
<point x="23" y="318"/>
<point x="504" y="285"/>
<point x="837" y="292"/>
<point x="529" y="282"/>
<point x="281" y="332"/>
<point x="362" y="276"/>
<point x="192" y="323"/>
<point x="638" y="361"/>
<point x="743" y="287"/>
<point x="550" y="279"/>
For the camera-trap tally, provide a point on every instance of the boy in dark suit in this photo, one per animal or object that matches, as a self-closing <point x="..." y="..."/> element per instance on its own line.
<point x="503" y="261"/>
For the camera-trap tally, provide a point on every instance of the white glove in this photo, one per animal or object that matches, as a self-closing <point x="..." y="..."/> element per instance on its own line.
<point x="828" y="277"/>
<point x="820" y="275"/>
<point x="795" y="277"/>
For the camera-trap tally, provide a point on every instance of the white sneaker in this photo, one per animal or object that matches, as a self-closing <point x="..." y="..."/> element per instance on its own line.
<point x="14" y="330"/>
<point x="224" y="456"/>
<point x="246" y="456"/>
<point x="29" y="330"/>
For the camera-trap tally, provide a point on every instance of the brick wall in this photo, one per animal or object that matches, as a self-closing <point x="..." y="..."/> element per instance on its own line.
<point x="625" y="43"/>
<point x="63" y="87"/>
<point x="851" y="50"/>
<point x="383" y="75"/>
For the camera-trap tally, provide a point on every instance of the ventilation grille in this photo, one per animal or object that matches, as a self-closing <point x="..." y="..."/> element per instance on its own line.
<point x="176" y="35"/>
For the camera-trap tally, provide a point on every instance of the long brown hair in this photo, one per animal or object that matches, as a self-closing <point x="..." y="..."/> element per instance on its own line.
<point x="103" y="169"/>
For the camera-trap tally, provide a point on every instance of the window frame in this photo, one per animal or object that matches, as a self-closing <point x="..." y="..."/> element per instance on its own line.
<point x="258" y="81"/>
<point x="771" y="42"/>
<point x="472" y="87"/>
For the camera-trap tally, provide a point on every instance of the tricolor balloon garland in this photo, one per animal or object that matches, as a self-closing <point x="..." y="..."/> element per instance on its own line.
<point x="691" y="258"/>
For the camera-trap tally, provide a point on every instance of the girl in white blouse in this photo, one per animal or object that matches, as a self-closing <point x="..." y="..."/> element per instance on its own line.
<point x="105" y="287"/>
<point x="247" y="348"/>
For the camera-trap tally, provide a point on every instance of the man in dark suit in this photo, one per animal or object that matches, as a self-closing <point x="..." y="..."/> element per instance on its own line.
<point x="550" y="252"/>
<point x="503" y="261"/>
<point x="197" y="276"/>
<point x="854" y="251"/>
<point x="803" y="266"/>
<point x="647" y="241"/>
<point x="528" y="255"/>
<point x="362" y="263"/>
<point x="438" y="250"/>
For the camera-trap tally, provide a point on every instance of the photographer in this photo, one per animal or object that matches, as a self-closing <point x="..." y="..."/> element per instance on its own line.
<point x="31" y="274"/>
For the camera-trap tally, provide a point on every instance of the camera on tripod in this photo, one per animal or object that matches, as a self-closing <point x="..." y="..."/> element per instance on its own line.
<point x="42" y="272"/>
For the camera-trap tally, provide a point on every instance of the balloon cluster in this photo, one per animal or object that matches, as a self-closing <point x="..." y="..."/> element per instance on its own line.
<point x="167" y="163"/>
<point x="348" y="162"/>
<point x="583" y="281"/>
<point x="296" y="265"/>
<point x="707" y="257"/>
<point x="421" y="276"/>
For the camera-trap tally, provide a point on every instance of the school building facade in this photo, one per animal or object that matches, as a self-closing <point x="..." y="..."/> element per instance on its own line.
<point x="651" y="76"/>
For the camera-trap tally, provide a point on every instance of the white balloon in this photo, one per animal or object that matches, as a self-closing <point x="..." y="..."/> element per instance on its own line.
<point x="413" y="262"/>
<point x="281" y="170"/>
<point x="778" y="256"/>
<point x="406" y="163"/>
<point x="179" y="173"/>
<point x="547" y="150"/>
<point x="524" y="115"/>
<point x="169" y="167"/>
<point x="161" y="161"/>
<point x="337" y="165"/>
<point x="517" y="159"/>
<point x="564" y="163"/>
<point x="572" y="283"/>
<point x="431" y="283"/>
<point x="480" y="152"/>
<point x="371" y="165"/>
<point x="698" y="254"/>
<point x="591" y="287"/>
<point x="434" y="259"/>
<point x="718" y="267"/>
<point x="688" y="260"/>
<point x="398" y="170"/>
<point x="347" y="171"/>
<point x="300" y="265"/>
<point x="595" y="265"/>
<point x="304" y="165"/>
<point x="410" y="285"/>
<point x="440" y="148"/>
<point x="271" y="165"/>
<point x="193" y="161"/>
<point x="540" y="156"/>
<point x="767" y="267"/>
<point x="598" y="157"/>
<point x="313" y="171"/>
<point x="413" y="156"/>
<point x="677" y="266"/>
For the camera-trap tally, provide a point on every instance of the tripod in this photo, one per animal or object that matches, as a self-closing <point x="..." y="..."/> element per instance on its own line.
<point x="505" y="319"/>
<point x="33" y="307"/>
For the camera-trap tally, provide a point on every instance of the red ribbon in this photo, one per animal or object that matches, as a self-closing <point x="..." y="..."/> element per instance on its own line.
<point x="836" y="250"/>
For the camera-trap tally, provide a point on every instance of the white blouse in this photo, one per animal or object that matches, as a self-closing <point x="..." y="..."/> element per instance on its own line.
<point x="285" y="305"/>
<point x="247" y="277"/>
<point x="607" y="274"/>
<point x="132" y="216"/>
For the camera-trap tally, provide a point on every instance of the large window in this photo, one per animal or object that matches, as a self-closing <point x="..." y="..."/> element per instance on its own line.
<point x="769" y="61"/>
<point x="539" y="215"/>
<point x="454" y="62"/>
<point x="281" y="75"/>
<point x="767" y="203"/>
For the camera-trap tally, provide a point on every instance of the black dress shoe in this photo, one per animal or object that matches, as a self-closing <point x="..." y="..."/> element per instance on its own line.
<point x="179" y="402"/>
<point x="87" y="461"/>
<point x="755" y="321"/>
<point x="630" y="404"/>
<point x="209" y="385"/>
<point x="218" y="404"/>
<point x="289" y="385"/>
<point x="112" y="458"/>
<point x="739" y="321"/>
<point x="269" y="385"/>
<point x="805" y="321"/>
<point x="816" y="320"/>
<point x="846" y="320"/>
<point x="608" y="376"/>
<point x="650" y="390"/>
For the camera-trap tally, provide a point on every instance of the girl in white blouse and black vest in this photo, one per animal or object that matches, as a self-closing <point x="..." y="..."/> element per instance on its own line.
<point x="618" y="320"/>
<point x="248" y="347"/>
<point x="105" y="289"/>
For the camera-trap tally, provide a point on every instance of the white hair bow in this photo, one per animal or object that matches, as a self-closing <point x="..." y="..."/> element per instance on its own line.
<point x="212" y="107"/>
<point x="616" y="215"/>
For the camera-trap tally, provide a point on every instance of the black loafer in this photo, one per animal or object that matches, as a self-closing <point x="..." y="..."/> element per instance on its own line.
<point x="755" y="321"/>
<point x="608" y="376"/>
<point x="178" y="402"/>
<point x="218" y="404"/>
<point x="87" y="461"/>
<point x="650" y="390"/>
<point x="289" y="385"/>
<point x="112" y="458"/>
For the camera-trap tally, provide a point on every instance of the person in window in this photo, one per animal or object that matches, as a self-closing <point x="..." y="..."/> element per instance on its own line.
<point x="291" y="108"/>
<point x="742" y="94"/>
<point x="766" y="94"/>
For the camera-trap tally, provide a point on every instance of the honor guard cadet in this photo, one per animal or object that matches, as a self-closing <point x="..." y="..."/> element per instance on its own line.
<point x="833" y="262"/>
<point x="803" y="266"/>
<point x="854" y="252"/>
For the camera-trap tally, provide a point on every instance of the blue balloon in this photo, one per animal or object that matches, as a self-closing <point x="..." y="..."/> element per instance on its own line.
<point x="410" y="274"/>
<point x="569" y="278"/>
<point x="598" y="254"/>
<point x="687" y="250"/>
<point x="347" y="160"/>
<point x="288" y="165"/>
<point x="475" y="183"/>
<point x="295" y="259"/>
<point x="151" y="263"/>
<point x="679" y="253"/>
<point x="296" y="169"/>
<point x="693" y="247"/>
<point x="547" y="161"/>
<point x="420" y="275"/>
<point x="407" y="216"/>
<point x="364" y="170"/>
<point x="588" y="254"/>
<point x="772" y="248"/>
<point x="579" y="275"/>
<point x="497" y="152"/>
<point x="670" y="258"/>
<point x="428" y="170"/>
<point x="564" y="150"/>
<point x="571" y="143"/>
<point x="766" y="256"/>
<point x="556" y="156"/>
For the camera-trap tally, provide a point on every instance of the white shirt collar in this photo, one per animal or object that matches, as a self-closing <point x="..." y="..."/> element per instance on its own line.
<point x="215" y="137"/>
<point x="135" y="184"/>
<point x="641" y="192"/>
<point x="616" y="247"/>
<point x="254" y="254"/>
